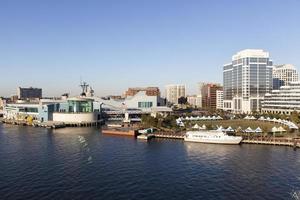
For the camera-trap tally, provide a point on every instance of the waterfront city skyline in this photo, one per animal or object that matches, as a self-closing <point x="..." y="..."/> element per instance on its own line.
<point x="114" y="45"/>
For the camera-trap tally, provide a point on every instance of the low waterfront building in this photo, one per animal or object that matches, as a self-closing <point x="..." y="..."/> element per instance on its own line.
<point x="284" y="101"/>
<point x="78" y="110"/>
<point x="283" y="74"/>
<point x="24" y="110"/>
<point x="71" y="110"/>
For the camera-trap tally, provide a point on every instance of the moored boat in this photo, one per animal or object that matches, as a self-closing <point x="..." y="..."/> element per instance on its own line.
<point x="212" y="136"/>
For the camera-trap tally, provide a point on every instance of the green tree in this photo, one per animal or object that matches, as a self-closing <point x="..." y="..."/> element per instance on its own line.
<point x="295" y="117"/>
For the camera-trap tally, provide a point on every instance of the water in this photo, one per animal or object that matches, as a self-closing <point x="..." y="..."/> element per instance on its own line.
<point x="81" y="163"/>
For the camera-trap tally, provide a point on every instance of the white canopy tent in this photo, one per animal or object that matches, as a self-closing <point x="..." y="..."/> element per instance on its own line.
<point x="249" y="130"/>
<point x="258" y="130"/>
<point x="203" y="127"/>
<point x="229" y="129"/>
<point x="274" y="129"/>
<point x="196" y="126"/>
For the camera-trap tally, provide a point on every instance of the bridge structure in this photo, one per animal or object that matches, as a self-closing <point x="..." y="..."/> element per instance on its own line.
<point x="121" y="113"/>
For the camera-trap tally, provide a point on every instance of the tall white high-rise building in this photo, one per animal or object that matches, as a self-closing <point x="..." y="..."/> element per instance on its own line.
<point x="174" y="92"/>
<point x="284" y="74"/>
<point x="246" y="80"/>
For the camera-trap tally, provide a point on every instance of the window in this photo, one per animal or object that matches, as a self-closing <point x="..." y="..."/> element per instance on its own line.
<point x="145" y="104"/>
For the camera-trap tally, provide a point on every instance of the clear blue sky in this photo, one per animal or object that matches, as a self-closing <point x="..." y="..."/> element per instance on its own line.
<point x="116" y="44"/>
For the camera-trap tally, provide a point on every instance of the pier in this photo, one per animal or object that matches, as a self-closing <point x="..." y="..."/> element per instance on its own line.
<point x="51" y="124"/>
<point x="292" y="142"/>
<point x="169" y="135"/>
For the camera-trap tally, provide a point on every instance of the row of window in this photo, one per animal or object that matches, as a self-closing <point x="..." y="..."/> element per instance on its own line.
<point x="145" y="104"/>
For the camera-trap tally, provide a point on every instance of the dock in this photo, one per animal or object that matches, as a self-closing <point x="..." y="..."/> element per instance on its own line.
<point x="120" y="131"/>
<point x="292" y="142"/>
<point x="145" y="136"/>
<point x="51" y="124"/>
<point x="169" y="135"/>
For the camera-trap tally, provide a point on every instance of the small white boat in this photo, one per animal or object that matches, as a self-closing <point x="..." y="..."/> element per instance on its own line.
<point x="213" y="136"/>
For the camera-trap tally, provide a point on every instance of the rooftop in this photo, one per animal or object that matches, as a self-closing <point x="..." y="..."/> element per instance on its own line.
<point x="257" y="53"/>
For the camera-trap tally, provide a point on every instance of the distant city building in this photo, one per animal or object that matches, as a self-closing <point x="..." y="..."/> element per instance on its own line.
<point x="150" y="91"/>
<point x="284" y="101"/>
<point x="29" y="93"/>
<point x="118" y="97"/>
<point x="195" y="100"/>
<point x="14" y="98"/>
<point x="246" y="80"/>
<point x="2" y="103"/>
<point x="283" y="74"/>
<point x="219" y="99"/>
<point x="174" y="92"/>
<point x="200" y="86"/>
<point x="209" y="95"/>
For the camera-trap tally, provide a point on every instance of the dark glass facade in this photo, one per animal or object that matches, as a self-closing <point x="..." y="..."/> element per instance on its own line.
<point x="248" y="78"/>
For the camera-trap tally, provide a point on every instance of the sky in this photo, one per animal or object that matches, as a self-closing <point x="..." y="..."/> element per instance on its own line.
<point x="116" y="44"/>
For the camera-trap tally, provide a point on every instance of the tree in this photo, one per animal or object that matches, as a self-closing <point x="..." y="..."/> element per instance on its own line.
<point x="182" y="100"/>
<point x="295" y="117"/>
<point x="149" y="121"/>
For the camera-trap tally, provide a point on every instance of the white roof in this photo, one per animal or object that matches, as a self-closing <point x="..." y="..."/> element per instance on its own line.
<point x="161" y="109"/>
<point x="261" y="118"/>
<point x="196" y="126"/>
<point x="249" y="130"/>
<point x="256" y="53"/>
<point x="281" y="129"/>
<point x="258" y="130"/>
<point x="229" y="129"/>
<point x="274" y="129"/>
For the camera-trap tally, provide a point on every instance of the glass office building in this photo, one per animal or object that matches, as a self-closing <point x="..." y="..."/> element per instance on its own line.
<point x="246" y="80"/>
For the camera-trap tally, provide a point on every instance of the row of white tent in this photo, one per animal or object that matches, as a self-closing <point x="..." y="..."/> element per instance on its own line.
<point x="200" y="118"/>
<point x="247" y="130"/>
<point x="230" y="129"/>
<point x="290" y="124"/>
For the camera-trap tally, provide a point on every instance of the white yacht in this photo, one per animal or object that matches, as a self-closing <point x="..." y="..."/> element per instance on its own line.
<point x="213" y="136"/>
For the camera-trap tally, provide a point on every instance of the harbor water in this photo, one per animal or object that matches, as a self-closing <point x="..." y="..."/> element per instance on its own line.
<point x="82" y="163"/>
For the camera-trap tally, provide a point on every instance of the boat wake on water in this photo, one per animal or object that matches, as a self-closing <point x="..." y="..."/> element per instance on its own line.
<point x="85" y="148"/>
<point x="296" y="195"/>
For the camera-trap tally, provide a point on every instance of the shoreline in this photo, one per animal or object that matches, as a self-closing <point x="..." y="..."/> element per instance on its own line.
<point x="280" y="141"/>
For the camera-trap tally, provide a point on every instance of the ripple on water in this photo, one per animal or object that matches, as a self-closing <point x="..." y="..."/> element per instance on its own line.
<point x="84" y="164"/>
